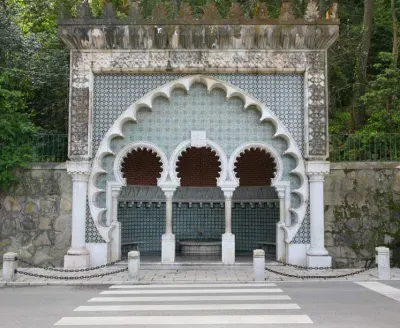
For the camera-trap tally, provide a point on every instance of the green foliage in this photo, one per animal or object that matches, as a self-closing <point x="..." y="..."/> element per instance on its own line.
<point x="382" y="98"/>
<point x="16" y="132"/>
<point x="16" y="127"/>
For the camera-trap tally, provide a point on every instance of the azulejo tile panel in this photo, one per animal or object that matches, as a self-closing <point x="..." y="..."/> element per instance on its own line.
<point x="170" y="122"/>
<point x="282" y="93"/>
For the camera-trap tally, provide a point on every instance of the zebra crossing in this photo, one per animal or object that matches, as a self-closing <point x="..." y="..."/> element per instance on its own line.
<point x="210" y="305"/>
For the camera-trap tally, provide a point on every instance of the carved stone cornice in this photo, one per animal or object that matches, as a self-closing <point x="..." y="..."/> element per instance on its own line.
<point x="269" y="35"/>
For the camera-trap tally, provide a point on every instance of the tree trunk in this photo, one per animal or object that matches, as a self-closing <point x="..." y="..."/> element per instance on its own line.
<point x="395" y="51"/>
<point x="359" y="116"/>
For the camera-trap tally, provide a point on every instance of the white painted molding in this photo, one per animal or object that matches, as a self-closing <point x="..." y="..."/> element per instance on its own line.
<point x="171" y="179"/>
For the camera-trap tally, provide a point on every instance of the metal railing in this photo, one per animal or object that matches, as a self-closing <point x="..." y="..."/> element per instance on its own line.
<point x="364" y="148"/>
<point x="51" y="147"/>
<point x="343" y="148"/>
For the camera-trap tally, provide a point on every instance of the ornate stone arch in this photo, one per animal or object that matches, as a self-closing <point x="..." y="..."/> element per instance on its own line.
<point x="225" y="179"/>
<point x="208" y="144"/>
<point x="140" y="145"/>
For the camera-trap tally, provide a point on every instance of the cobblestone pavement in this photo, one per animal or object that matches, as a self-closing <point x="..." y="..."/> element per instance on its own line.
<point x="188" y="274"/>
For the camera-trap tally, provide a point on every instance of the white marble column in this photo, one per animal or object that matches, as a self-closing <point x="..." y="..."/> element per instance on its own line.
<point x="228" y="239"/>
<point x="115" y="253"/>
<point x="78" y="256"/>
<point x="317" y="255"/>
<point x="168" y="239"/>
<point x="280" y="234"/>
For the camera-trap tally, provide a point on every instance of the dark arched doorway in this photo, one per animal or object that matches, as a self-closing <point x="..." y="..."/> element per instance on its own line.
<point x="256" y="204"/>
<point x="142" y="217"/>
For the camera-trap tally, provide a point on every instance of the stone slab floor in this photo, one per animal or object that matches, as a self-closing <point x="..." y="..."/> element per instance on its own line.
<point x="186" y="274"/>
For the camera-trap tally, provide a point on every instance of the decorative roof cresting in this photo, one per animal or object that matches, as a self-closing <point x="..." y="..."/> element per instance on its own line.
<point x="210" y="31"/>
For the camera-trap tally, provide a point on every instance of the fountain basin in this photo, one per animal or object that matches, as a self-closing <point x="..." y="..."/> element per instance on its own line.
<point x="201" y="247"/>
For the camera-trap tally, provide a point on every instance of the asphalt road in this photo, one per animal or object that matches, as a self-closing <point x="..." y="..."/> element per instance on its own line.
<point x="286" y="304"/>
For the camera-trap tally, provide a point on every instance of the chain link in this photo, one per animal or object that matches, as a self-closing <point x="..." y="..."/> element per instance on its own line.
<point x="315" y="268"/>
<point x="319" y="277"/>
<point x="302" y="267"/>
<point x="98" y="275"/>
<point x="69" y="270"/>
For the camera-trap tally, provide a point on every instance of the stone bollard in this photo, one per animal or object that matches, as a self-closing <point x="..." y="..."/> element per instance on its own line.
<point x="134" y="265"/>
<point x="383" y="260"/>
<point x="9" y="266"/>
<point x="259" y="265"/>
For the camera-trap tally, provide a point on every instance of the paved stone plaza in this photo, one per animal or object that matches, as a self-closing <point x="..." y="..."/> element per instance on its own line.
<point x="151" y="274"/>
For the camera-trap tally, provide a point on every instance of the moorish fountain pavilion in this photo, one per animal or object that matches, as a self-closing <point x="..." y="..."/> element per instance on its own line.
<point x="193" y="136"/>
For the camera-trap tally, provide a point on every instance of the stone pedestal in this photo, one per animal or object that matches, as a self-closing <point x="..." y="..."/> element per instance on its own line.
<point x="228" y="248"/>
<point x="9" y="266"/>
<point x="315" y="261"/>
<point x="134" y="265"/>
<point x="259" y="265"/>
<point x="383" y="261"/>
<point x="81" y="260"/>
<point x="168" y="249"/>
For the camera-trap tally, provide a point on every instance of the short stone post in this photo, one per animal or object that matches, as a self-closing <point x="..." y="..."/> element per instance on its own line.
<point x="383" y="261"/>
<point x="9" y="266"/>
<point x="259" y="264"/>
<point x="134" y="265"/>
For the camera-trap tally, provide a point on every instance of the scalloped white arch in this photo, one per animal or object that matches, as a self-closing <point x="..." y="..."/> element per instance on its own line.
<point x="165" y="91"/>
<point x="256" y="145"/>
<point x="209" y="144"/>
<point x="140" y="145"/>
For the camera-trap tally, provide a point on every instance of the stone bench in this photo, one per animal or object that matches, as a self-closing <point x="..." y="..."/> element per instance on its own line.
<point x="267" y="246"/>
<point x="131" y="245"/>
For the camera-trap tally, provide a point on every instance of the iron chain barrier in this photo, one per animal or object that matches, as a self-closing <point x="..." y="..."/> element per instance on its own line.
<point x="97" y="275"/>
<point x="69" y="270"/>
<point x="367" y="268"/>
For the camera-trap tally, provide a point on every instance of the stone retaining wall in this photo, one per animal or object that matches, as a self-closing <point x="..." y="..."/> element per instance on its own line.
<point x="35" y="216"/>
<point x="361" y="203"/>
<point x="360" y="198"/>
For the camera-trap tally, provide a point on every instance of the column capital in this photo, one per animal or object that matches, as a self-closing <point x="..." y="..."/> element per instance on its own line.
<point x="317" y="168"/>
<point x="168" y="191"/>
<point x="115" y="189"/>
<point x="228" y="189"/>
<point x="79" y="170"/>
<point x="281" y="188"/>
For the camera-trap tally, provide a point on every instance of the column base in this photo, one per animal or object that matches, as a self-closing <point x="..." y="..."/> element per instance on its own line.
<point x="319" y="261"/>
<point x="228" y="248"/>
<point x="77" y="261"/>
<point x="168" y="249"/>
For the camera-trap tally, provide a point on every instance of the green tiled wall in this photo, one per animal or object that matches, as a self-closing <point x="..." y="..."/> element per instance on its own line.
<point x="251" y="223"/>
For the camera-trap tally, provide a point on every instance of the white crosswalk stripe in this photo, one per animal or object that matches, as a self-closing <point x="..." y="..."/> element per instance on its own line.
<point x="210" y="305"/>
